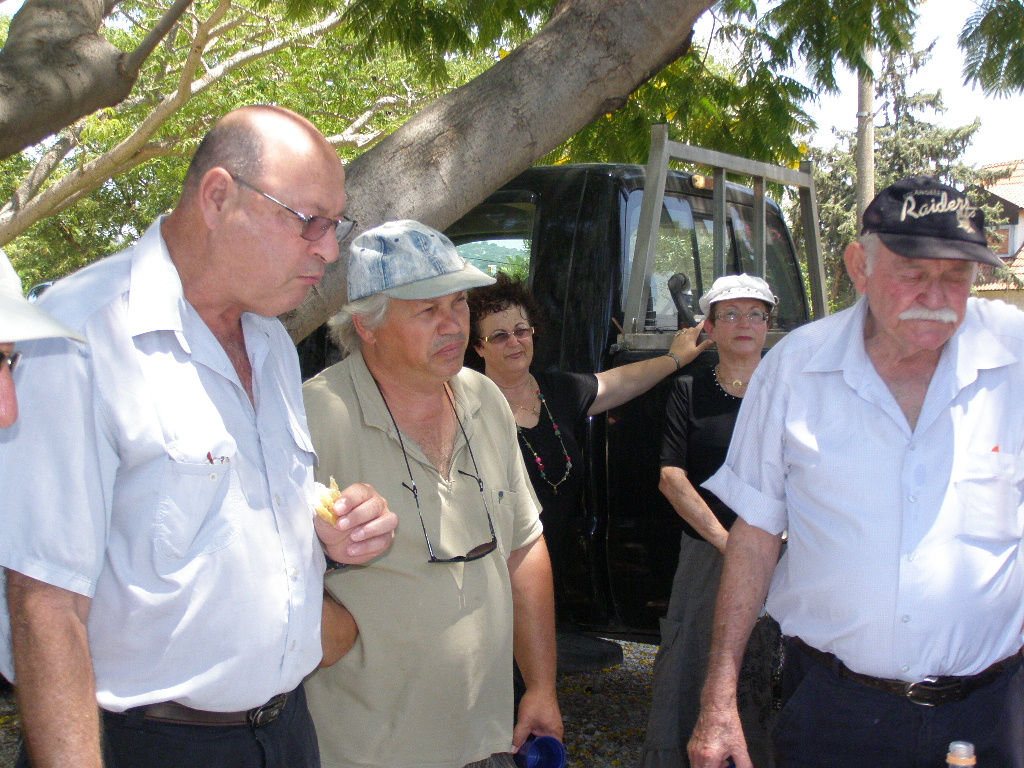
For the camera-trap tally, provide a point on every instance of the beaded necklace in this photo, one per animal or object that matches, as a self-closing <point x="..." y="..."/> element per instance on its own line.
<point x="536" y="456"/>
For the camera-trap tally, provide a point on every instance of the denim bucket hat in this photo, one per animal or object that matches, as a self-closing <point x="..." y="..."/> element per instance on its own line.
<point x="408" y="260"/>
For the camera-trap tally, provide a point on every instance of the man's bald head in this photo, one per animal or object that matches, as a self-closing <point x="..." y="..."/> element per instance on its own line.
<point x="242" y="140"/>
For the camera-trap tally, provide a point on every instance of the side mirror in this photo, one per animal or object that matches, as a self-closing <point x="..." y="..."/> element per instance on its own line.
<point x="679" y="290"/>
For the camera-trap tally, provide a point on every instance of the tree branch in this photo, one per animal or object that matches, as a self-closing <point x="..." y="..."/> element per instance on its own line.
<point x="132" y="62"/>
<point x="90" y="175"/>
<point x="32" y="183"/>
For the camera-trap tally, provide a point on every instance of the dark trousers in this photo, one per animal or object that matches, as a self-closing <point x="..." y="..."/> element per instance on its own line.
<point x="830" y="721"/>
<point x="132" y="741"/>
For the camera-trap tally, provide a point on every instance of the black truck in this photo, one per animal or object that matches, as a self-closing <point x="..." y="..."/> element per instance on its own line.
<point x="573" y="230"/>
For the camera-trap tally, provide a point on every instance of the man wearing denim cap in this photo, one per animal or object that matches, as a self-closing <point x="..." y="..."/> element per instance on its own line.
<point x="428" y="680"/>
<point x="19" y="321"/>
<point x="888" y="441"/>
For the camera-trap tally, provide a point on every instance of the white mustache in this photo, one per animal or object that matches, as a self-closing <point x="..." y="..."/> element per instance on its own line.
<point x="944" y="315"/>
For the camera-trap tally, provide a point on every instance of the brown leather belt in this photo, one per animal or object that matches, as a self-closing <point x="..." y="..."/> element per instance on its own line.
<point x="179" y="714"/>
<point x="929" y="692"/>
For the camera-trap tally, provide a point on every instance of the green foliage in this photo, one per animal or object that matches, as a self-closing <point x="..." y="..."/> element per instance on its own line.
<point x="993" y="44"/>
<point x="430" y="32"/>
<point x="905" y="145"/>
<point x="746" y="109"/>
<point x="825" y="33"/>
<point x="321" y="78"/>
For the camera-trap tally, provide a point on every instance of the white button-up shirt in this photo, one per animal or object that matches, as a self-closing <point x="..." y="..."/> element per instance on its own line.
<point x="903" y="553"/>
<point x="140" y="475"/>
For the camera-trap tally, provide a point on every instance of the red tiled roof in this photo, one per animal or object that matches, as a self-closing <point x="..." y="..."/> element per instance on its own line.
<point x="1010" y="189"/>
<point x="1016" y="266"/>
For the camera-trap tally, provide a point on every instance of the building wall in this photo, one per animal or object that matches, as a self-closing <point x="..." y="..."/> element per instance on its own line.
<point x="1010" y="297"/>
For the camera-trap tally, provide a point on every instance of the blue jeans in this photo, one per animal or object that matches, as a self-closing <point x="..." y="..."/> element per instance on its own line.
<point x="830" y="721"/>
<point x="132" y="741"/>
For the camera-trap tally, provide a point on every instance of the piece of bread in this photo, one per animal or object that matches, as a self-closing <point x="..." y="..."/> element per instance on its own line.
<point x="325" y="498"/>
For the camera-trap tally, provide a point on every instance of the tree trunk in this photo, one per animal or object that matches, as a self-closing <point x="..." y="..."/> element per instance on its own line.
<point x="865" y="157"/>
<point x="585" y="62"/>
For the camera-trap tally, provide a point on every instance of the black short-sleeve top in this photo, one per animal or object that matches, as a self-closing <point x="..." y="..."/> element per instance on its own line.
<point x="699" y="420"/>
<point x="568" y="396"/>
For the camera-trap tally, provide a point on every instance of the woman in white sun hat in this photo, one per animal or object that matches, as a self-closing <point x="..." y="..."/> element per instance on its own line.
<point x="19" y="321"/>
<point x="699" y="420"/>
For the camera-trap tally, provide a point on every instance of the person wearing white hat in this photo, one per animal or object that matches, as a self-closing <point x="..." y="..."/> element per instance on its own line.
<point x="699" y="418"/>
<point x="164" y="577"/>
<point x="428" y="681"/>
<point x="19" y="321"/>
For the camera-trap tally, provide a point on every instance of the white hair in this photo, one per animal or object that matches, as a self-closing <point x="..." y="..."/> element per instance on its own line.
<point x="870" y="242"/>
<point x="371" y="311"/>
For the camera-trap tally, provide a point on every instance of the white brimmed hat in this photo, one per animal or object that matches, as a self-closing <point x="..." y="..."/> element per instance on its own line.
<point x="20" y="320"/>
<point x="738" y="287"/>
<point x="408" y="260"/>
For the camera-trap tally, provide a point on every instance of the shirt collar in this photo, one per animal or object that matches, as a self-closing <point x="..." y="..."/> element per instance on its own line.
<point x="375" y="413"/>
<point x="974" y="347"/>
<point x="156" y="301"/>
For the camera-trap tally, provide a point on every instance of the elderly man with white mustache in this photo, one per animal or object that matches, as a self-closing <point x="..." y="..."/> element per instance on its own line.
<point x="888" y="441"/>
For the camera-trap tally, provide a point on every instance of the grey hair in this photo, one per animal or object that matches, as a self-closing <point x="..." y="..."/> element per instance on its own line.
<point x="370" y="309"/>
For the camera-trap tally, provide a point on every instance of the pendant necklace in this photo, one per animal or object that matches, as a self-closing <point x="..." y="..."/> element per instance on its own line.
<point x="517" y="406"/>
<point x="735" y="383"/>
<point x="536" y="457"/>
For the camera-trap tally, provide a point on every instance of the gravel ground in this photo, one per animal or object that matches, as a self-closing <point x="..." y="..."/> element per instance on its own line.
<point x="605" y="713"/>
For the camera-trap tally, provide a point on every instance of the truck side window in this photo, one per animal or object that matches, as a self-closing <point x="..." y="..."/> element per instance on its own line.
<point x="676" y="250"/>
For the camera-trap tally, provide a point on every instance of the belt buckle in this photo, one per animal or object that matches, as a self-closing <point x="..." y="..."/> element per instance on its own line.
<point x="923" y="690"/>
<point x="269" y="712"/>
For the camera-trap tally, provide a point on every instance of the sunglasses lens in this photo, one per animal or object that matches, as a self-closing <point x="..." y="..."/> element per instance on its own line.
<point x="484" y="549"/>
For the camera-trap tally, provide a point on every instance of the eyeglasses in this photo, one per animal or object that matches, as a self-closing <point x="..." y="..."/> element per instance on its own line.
<point x="501" y="337"/>
<point x="732" y="316"/>
<point x="10" y="360"/>
<point x="313" y="227"/>
<point x="476" y="552"/>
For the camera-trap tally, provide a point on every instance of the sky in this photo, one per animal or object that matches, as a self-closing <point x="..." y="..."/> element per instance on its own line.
<point x="941" y="20"/>
<point x="998" y="139"/>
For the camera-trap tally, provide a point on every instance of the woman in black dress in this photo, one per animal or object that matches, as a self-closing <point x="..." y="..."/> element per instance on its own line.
<point x="548" y="404"/>
<point x="699" y="420"/>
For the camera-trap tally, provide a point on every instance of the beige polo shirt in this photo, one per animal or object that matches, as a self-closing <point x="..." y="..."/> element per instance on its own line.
<point x="429" y="680"/>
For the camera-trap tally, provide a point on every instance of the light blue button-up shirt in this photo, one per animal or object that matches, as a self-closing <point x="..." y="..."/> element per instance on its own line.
<point x="141" y="475"/>
<point x="904" y="552"/>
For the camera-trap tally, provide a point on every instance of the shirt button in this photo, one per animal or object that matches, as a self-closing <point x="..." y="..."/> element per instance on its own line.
<point x="213" y="475"/>
<point x="910" y="557"/>
<point x="277" y="499"/>
<point x="912" y="446"/>
<point x="905" y="668"/>
<point x="912" y="499"/>
<point x="293" y="574"/>
<point x="905" y="619"/>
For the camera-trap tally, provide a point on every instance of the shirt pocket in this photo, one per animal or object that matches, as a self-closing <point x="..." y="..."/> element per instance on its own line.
<point x="988" y="489"/>
<point x="195" y="513"/>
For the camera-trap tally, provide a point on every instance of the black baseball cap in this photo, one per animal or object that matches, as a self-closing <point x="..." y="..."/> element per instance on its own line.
<point x="922" y="218"/>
